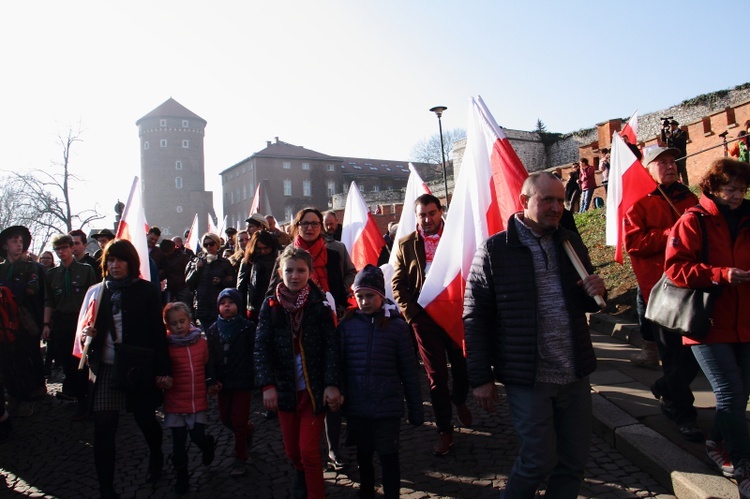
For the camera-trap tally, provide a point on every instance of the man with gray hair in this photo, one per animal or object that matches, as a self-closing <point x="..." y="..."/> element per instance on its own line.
<point x="525" y="322"/>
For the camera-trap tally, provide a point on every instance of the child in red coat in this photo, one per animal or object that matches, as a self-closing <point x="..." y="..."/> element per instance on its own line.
<point x="185" y="401"/>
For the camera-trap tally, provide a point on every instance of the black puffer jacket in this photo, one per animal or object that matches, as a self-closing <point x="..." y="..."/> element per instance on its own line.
<point x="274" y="351"/>
<point x="200" y="281"/>
<point x="500" y="310"/>
<point x="237" y="373"/>
<point x="379" y="368"/>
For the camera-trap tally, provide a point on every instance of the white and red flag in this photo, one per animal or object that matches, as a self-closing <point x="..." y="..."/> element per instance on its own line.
<point x="360" y="233"/>
<point x="630" y="130"/>
<point x="192" y="239"/>
<point x="629" y="181"/>
<point x="407" y="223"/>
<point x="222" y="226"/>
<point x="487" y="193"/>
<point x="211" y="226"/>
<point x="134" y="228"/>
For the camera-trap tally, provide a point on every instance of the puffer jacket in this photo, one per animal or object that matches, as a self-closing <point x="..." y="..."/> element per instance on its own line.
<point x="379" y="368"/>
<point x="647" y="225"/>
<point x="500" y="310"/>
<point x="200" y="281"/>
<point x="188" y="392"/>
<point x="319" y="345"/>
<point x="684" y="266"/>
<point x="238" y="372"/>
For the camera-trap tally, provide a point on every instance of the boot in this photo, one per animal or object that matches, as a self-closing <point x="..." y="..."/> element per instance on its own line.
<point x="208" y="451"/>
<point x="181" y="485"/>
<point x="300" y="486"/>
<point x="647" y="357"/>
<point x="155" y="464"/>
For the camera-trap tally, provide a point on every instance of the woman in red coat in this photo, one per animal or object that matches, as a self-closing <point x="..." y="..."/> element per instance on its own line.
<point x="724" y="354"/>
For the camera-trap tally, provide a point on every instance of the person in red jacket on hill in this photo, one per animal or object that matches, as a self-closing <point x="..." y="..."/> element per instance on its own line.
<point x="185" y="401"/>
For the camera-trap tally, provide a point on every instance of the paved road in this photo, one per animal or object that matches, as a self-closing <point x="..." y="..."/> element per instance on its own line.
<point x="49" y="456"/>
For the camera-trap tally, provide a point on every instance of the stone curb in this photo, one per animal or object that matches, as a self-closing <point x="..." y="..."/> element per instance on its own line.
<point x="677" y="470"/>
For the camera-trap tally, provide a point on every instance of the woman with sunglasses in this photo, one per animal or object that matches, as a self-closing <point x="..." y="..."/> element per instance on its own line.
<point x="256" y="269"/>
<point x="206" y="275"/>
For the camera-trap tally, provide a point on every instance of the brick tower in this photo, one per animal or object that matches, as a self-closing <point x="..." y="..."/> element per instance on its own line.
<point x="172" y="169"/>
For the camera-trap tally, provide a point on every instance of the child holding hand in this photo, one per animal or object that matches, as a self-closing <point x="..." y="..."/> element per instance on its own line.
<point x="379" y="369"/>
<point x="185" y="401"/>
<point x="297" y="366"/>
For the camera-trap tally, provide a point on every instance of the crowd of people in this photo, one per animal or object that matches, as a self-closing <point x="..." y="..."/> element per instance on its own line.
<point x="288" y="317"/>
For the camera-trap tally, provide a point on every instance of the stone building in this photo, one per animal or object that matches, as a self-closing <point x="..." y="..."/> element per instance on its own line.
<point x="172" y="169"/>
<point x="296" y="177"/>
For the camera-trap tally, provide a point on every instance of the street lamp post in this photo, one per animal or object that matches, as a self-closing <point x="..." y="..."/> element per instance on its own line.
<point x="438" y="110"/>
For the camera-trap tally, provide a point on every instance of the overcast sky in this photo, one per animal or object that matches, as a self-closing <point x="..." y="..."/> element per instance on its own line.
<point x="351" y="78"/>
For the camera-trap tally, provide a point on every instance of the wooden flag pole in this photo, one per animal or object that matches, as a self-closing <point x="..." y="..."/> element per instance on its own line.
<point x="578" y="264"/>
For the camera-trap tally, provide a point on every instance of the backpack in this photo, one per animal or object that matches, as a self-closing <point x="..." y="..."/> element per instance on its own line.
<point x="744" y="156"/>
<point x="8" y="316"/>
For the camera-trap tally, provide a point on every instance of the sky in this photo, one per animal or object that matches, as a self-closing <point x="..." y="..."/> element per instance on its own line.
<point x="345" y="78"/>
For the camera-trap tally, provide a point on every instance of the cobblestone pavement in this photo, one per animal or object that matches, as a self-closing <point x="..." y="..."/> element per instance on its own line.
<point x="50" y="456"/>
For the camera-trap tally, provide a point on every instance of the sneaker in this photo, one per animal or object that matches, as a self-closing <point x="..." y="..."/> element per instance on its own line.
<point x="648" y="356"/>
<point x="742" y="475"/>
<point x="464" y="415"/>
<point x="208" y="454"/>
<point x="691" y="432"/>
<point x="719" y="454"/>
<point x="443" y="444"/>
<point x="239" y="468"/>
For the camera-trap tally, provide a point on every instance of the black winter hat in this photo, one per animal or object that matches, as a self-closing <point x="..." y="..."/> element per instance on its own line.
<point x="232" y="294"/>
<point x="370" y="277"/>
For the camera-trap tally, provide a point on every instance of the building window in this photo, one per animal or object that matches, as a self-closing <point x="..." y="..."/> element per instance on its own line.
<point x="251" y="188"/>
<point x="288" y="213"/>
<point x="145" y="145"/>
<point x="375" y="188"/>
<point x="231" y="197"/>
<point x="306" y="188"/>
<point x="178" y="165"/>
<point x="287" y="165"/>
<point x="162" y="122"/>
<point x="287" y="187"/>
<point x="305" y="166"/>
<point x="178" y="182"/>
<point x="163" y="143"/>
<point x="346" y="189"/>
<point x="179" y="209"/>
<point x="185" y="124"/>
<point x="185" y="144"/>
<point x="329" y="168"/>
<point x="331" y="188"/>
<point x="244" y="192"/>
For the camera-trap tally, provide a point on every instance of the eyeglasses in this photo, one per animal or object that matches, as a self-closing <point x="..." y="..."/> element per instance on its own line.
<point x="209" y="244"/>
<point x="306" y="225"/>
<point x="45" y="258"/>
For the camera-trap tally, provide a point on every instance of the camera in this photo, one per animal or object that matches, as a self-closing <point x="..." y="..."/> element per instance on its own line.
<point x="722" y="135"/>
<point x="666" y="128"/>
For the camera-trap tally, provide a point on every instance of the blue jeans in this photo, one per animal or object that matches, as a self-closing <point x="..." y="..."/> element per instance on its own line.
<point x="586" y="199"/>
<point x="727" y="367"/>
<point x="553" y="423"/>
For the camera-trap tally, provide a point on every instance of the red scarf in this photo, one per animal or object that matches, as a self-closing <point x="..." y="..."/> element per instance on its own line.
<point x="294" y="306"/>
<point x="319" y="253"/>
<point x="430" y="243"/>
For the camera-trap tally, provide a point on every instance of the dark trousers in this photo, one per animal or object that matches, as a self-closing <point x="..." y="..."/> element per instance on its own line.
<point x="646" y="326"/>
<point x="437" y="349"/>
<point x="680" y="369"/>
<point x="22" y="367"/>
<point x="105" y="428"/>
<point x="179" y="442"/>
<point x="75" y="383"/>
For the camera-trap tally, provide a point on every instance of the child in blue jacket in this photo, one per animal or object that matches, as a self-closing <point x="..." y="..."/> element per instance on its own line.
<point x="379" y="370"/>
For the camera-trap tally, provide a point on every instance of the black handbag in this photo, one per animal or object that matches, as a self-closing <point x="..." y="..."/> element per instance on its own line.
<point x="683" y="311"/>
<point x="133" y="368"/>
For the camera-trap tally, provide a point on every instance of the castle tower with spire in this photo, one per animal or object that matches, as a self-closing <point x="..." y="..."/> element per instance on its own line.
<point x="172" y="169"/>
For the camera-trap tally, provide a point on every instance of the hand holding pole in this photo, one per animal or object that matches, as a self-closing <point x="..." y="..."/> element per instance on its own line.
<point x="578" y="264"/>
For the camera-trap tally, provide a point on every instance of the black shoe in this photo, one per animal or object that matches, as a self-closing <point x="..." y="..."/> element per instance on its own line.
<point x="182" y="484"/>
<point x="209" y="452"/>
<point x="668" y="409"/>
<point x="300" y="486"/>
<point x="155" y="465"/>
<point x="691" y="432"/>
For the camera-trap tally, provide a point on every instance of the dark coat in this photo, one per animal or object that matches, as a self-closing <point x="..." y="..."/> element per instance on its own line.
<point x="500" y="310"/>
<point x="379" y="368"/>
<point x="200" y="281"/>
<point x="238" y="372"/>
<point x="319" y="346"/>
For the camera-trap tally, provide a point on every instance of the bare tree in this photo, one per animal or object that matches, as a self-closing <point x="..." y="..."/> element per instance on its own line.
<point x="41" y="200"/>
<point x="428" y="150"/>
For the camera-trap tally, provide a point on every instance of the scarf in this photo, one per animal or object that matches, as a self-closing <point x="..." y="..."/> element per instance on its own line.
<point x="115" y="287"/>
<point x="294" y="306"/>
<point x="430" y="243"/>
<point x="229" y="328"/>
<point x="319" y="253"/>
<point x="182" y="341"/>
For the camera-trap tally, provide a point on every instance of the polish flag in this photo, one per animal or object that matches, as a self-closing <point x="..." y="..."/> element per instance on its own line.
<point x="134" y="228"/>
<point x="629" y="181"/>
<point x="407" y="223"/>
<point x="360" y="233"/>
<point x="211" y="227"/>
<point x="192" y="239"/>
<point x="630" y="130"/>
<point x="487" y="193"/>
<point x="222" y="227"/>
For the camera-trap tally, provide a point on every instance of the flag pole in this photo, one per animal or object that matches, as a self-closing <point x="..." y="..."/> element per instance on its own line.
<point x="578" y="264"/>
<point x="87" y="343"/>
